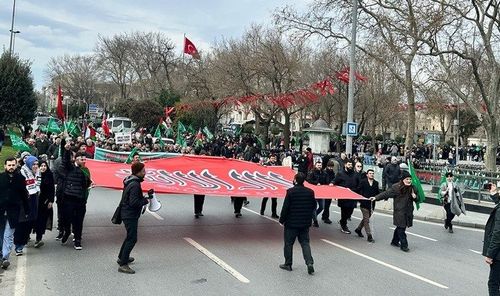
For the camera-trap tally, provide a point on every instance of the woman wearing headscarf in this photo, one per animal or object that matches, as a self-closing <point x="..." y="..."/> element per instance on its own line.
<point x="27" y="220"/>
<point x="452" y="201"/>
<point x="45" y="202"/>
<point x="404" y="195"/>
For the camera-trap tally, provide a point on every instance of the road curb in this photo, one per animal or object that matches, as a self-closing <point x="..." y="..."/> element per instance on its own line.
<point x="437" y="220"/>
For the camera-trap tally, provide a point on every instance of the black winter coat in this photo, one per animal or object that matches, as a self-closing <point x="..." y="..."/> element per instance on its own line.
<point x="133" y="200"/>
<point x="298" y="207"/>
<point x="368" y="191"/>
<point x="13" y="196"/>
<point x="74" y="183"/>
<point x="350" y="180"/>
<point x="402" y="215"/>
<point x="391" y="173"/>
<point x="491" y="243"/>
<point x="316" y="177"/>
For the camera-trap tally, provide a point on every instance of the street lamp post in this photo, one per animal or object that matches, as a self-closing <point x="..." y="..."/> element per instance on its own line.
<point x="352" y="65"/>
<point x="12" y="27"/>
<point x="13" y="39"/>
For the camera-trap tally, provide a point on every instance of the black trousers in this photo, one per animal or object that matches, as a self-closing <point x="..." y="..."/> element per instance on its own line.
<point x="345" y="213"/>
<point x="238" y="203"/>
<point x="274" y="205"/>
<point x="326" y="209"/>
<point x="302" y="234"/>
<point x="130" y="240"/>
<point x="198" y="203"/>
<point x="22" y="233"/>
<point x="494" y="279"/>
<point x="74" y="212"/>
<point x="449" y="215"/>
<point x="400" y="237"/>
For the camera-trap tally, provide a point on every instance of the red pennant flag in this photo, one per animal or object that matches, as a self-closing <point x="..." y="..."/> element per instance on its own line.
<point x="190" y="49"/>
<point x="60" y="110"/>
<point x="104" y="125"/>
<point x="344" y="76"/>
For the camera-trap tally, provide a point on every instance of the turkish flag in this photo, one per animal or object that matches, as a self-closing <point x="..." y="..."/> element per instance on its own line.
<point x="60" y="110"/>
<point x="190" y="49"/>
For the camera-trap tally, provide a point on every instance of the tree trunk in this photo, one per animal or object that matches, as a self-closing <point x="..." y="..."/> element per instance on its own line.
<point x="491" y="146"/>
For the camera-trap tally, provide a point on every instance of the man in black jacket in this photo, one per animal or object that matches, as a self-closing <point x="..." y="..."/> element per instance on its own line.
<point x="296" y="217"/>
<point x="132" y="203"/>
<point x="13" y="195"/>
<point x="73" y="183"/>
<point x="347" y="178"/>
<point x="491" y="245"/>
<point x="368" y="187"/>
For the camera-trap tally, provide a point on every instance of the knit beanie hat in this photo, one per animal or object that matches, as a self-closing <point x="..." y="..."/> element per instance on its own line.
<point x="404" y="175"/>
<point x="137" y="167"/>
<point x="30" y="161"/>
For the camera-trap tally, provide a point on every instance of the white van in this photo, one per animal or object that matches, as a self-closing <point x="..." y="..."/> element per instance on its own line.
<point x="120" y="125"/>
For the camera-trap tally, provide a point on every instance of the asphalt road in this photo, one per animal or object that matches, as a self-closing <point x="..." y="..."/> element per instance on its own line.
<point x="241" y="257"/>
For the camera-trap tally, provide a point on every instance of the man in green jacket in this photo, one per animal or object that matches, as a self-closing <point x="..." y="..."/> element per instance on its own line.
<point x="491" y="246"/>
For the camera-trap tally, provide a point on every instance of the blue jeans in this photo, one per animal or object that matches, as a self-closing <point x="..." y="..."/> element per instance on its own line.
<point x="321" y="206"/>
<point x="8" y="240"/>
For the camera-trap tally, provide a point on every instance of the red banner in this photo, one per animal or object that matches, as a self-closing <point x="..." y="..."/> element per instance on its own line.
<point x="191" y="174"/>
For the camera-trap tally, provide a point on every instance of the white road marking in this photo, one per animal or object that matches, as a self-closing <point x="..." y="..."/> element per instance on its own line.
<point x="154" y="214"/>
<point x="218" y="261"/>
<point x="477" y="252"/>
<point x="20" y="285"/>
<point x="417" y="235"/>
<point x="268" y="218"/>
<point x="387" y="265"/>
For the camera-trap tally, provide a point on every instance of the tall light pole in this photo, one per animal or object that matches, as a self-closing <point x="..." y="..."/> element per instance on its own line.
<point x="457" y="126"/>
<point x="12" y="27"/>
<point x="352" y="66"/>
<point x="14" y="39"/>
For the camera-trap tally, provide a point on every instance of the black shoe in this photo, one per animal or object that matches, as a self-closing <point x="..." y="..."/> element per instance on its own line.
<point x="78" y="245"/>
<point x="261" y="212"/>
<point x="310" y="269"/>
<point x="405" y="249"/>
<point x="38" y="244"/>
<point x="59" y="236"/>
<point x="445" y="225"/>
<point x="5" y="263"/>
<point x="196" y="216"/>
<point x="64" y="239"/>
<point x="237" y="215"/>
<point x="126" y="269"/>
<point x="358" y="232"/>
<point x="200" y="214"/>
<point x="395" y="244"/>
<point x="370" y="239"/>
<point x="315" y="224"/>
<point x="130" y="260"/>
<point x="345" y="230"/>
<point x="450" y="230"/>
<point x="275" y="216"/>
<point x="327" y="221"/>
<point x="286" y="267"/>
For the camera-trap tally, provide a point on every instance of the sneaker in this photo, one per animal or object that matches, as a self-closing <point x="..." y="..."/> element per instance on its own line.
<point x="5" y="263"/>
<point x="64" y="239"/>
<point x="262" y="213"/>
<point x="358" y="232"/>
<point x="345" y="230"/>
<point x="310" y="269"/>
<point x="405" y="249"/>
<point x="315" y="224"/>
<point x="395" y="244"/>
<point x="237" y="215"/>
<point x="370" y="239"/>
<point x="78" y="245"/>
<point x="327" y="221"/>
<point x="59" y="236"/>
<point x="39" y="244"/>
<point x="130" y="260"/>
<point x="445" y="225"/>
<point x="275" y="216"/>
<point x="286" y="267"/>
<point x="19" y="252"/>
<point x="126" y="269"/>
<point x="450" y="230"/>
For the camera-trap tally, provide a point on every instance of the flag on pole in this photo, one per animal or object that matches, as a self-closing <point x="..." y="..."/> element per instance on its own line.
<point x="104" y="125"/>
<point x="72" y="128"/>
<point x="90" y="132"/>
<point x="190" y="49"/>
<point x="53" y="127"/>
<point x="441" y="182"/>
<point x="18" y="143"/>
<point x="191" y="129"/>
<point x="131" y="156"/>
<point x="181" y="128"/>
<point x="60" y="110"/>
<point x="415" y="181"/>
<point x="207" y="132"/>
<point x="157" y="135"/>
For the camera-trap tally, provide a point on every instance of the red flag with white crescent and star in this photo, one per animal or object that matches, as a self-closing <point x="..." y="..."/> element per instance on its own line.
<point x="190" y="49"/>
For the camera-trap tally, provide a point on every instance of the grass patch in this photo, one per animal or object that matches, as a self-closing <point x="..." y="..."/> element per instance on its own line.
<point x="7" y="151"/>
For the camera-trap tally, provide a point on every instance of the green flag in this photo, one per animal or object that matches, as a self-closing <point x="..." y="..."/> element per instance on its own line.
<point x="169" y="132"/>
<point x="443" y="180"/>
<point x="53" y="127"/>
<point x="158" y="135"/>
<point x="207" y="132"/>
<point x="131" y="156"/>
<point x="72" y="128"/>
<point x="180" y="128"/>
<point x="191" y="129"/>
<point x="180" y="140"/>
<point x="415" y="181"/>
<point x="42" y="128"/>
<point x="18" y="143"/>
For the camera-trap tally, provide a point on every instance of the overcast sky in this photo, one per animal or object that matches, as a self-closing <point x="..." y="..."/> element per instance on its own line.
<point x="55" y="27"/>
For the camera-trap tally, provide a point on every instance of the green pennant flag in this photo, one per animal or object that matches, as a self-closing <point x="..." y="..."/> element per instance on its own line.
<point x="207" y="133"/>
<point x="131" y="156"/>
<point x="415" y="181"/>
<point x="72" y="128"/>
<point x="42" y="128"/>
<point x="169" y="132"/>
<point x="443" y="180"/>
<point x="18" y="143"/>
<point x="191" y="129"/>
<point x="53" y="127"/>
<point x="180" y="128"/>
<point x="157" y="134"/>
